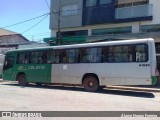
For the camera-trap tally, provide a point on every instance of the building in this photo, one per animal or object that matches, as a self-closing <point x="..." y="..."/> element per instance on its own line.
<point x="106" y="19"/>
<point x="10" y="40"/>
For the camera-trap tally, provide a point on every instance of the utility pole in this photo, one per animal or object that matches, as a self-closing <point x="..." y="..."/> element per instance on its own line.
<point x="59" y="37"/>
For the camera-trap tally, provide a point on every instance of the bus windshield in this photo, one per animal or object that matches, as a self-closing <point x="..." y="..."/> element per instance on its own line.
<point x="9" y="60"/>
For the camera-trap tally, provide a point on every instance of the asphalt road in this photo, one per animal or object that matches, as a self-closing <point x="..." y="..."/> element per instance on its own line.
<point x="65" y="98"/>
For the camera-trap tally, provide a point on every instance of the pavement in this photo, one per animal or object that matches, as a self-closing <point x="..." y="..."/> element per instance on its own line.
<point x="137" y="88"/>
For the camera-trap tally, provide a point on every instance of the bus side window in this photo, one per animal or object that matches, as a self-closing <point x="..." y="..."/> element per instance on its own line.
<point x="22" y="58"/>
<point x="50" y="57"/>
<point x="141" y="53"/>
<point x="44" y="57"/>
<point x="111" y="57"/>
<point x="64" y="58"/>
<point x="57" y="57"/>
<point x="34" y="58"/>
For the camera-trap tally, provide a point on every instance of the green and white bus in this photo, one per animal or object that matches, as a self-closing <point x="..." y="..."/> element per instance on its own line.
<point x="92" y="65"/>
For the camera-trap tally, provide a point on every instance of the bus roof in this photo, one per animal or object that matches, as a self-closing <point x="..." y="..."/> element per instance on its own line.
<point x="134" y="41"/>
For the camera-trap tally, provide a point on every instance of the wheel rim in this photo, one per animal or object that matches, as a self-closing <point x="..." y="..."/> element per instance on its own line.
<point x="90" y="84"/>
<point x="22" y="80"/>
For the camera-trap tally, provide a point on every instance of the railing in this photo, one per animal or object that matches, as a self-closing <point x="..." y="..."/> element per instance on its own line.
<point x="134" y="11"/>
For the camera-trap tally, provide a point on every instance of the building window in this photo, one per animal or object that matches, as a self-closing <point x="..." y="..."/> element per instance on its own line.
<point x="150" y="28"/>
<point x="75" y="33"/>
<point x="117" y="30"/>
<point x="103" y="2"/>
<point x="91" y="3"/>
<point x="69" y="10"/>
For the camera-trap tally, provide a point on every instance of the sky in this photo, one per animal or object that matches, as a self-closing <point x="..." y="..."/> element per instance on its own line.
<point x="15" y="11"/>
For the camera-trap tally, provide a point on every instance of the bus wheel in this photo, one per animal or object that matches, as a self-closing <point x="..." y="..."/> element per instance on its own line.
<point x="22" y="80"/>
<point x="91" y="84"/>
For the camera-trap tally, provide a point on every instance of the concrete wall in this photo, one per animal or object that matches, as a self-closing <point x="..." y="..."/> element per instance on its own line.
<point x="66" y="21"/>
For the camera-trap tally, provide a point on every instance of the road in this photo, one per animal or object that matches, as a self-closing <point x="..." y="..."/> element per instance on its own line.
<point x="65" y="98"/>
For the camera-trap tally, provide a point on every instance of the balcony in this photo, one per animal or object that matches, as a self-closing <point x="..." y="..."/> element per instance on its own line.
<point x="139" y="11"/>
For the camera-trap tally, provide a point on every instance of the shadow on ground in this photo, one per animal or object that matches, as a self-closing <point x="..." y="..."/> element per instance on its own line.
<point x="131" y="93"/>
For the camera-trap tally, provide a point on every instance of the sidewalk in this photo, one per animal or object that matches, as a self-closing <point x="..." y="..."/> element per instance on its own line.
<point x="137" y="88"/>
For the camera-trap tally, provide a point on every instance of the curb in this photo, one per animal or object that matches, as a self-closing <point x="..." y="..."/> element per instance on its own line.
<point x="135" y="88"/>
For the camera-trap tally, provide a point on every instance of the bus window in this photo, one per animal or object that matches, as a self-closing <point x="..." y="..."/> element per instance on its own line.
<point x="23" y="58"/>
<point x="118" y="54"/>
<point x="141" y="53"/>
<point x="64" y="56"/>
<point x="9" y="61"/>
<point x="110" y="53"/>
<point x="72" y="57"/>
<point x="34" y="58"/>
<point x="50" y="56"/>
<point x="44" y="57"/>
<point x="58" y="57"/>
<point x="92" y="55"/>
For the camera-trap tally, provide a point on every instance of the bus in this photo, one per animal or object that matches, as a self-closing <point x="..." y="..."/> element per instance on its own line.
<point x="1" y="64"/>
<point x="92" y="65"/>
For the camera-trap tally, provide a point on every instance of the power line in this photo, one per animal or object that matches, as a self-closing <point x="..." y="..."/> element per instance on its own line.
<point x="35" y="24"/>
<point x="25" y="21"/>
<point x="58" y="12"/>
<point x="47" y="4"/>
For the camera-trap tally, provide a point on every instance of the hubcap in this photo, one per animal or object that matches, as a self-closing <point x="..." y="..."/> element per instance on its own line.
<point x="90" y="84"/>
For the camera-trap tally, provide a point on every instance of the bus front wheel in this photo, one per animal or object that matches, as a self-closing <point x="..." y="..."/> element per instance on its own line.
<point x="91" y="84"/>
<point x="22" y="80"/>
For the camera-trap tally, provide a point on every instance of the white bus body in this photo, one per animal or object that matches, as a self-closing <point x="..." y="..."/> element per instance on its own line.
<point x="131" y="73"/>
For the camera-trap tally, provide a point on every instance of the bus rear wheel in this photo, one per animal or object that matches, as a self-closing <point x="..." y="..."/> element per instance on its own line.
<point x="22" y="80"/>
<point x="91" y="84"/>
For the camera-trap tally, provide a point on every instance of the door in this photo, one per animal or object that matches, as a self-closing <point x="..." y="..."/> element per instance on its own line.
<point x="8" y="68"/>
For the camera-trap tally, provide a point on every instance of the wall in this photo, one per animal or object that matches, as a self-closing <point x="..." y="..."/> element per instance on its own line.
<point x="66" y="21"/>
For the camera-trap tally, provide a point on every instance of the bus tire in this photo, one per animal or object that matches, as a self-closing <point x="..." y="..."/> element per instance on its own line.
<point x="22" y="80"/>
<point x="91" y="84"/>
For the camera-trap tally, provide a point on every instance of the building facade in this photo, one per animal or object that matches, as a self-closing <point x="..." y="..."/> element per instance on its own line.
<point x="10" y="40"/>
<point x="106" y="19"/>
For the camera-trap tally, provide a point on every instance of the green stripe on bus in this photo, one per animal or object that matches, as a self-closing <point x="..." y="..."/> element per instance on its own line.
<point x="154" y="80"/>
